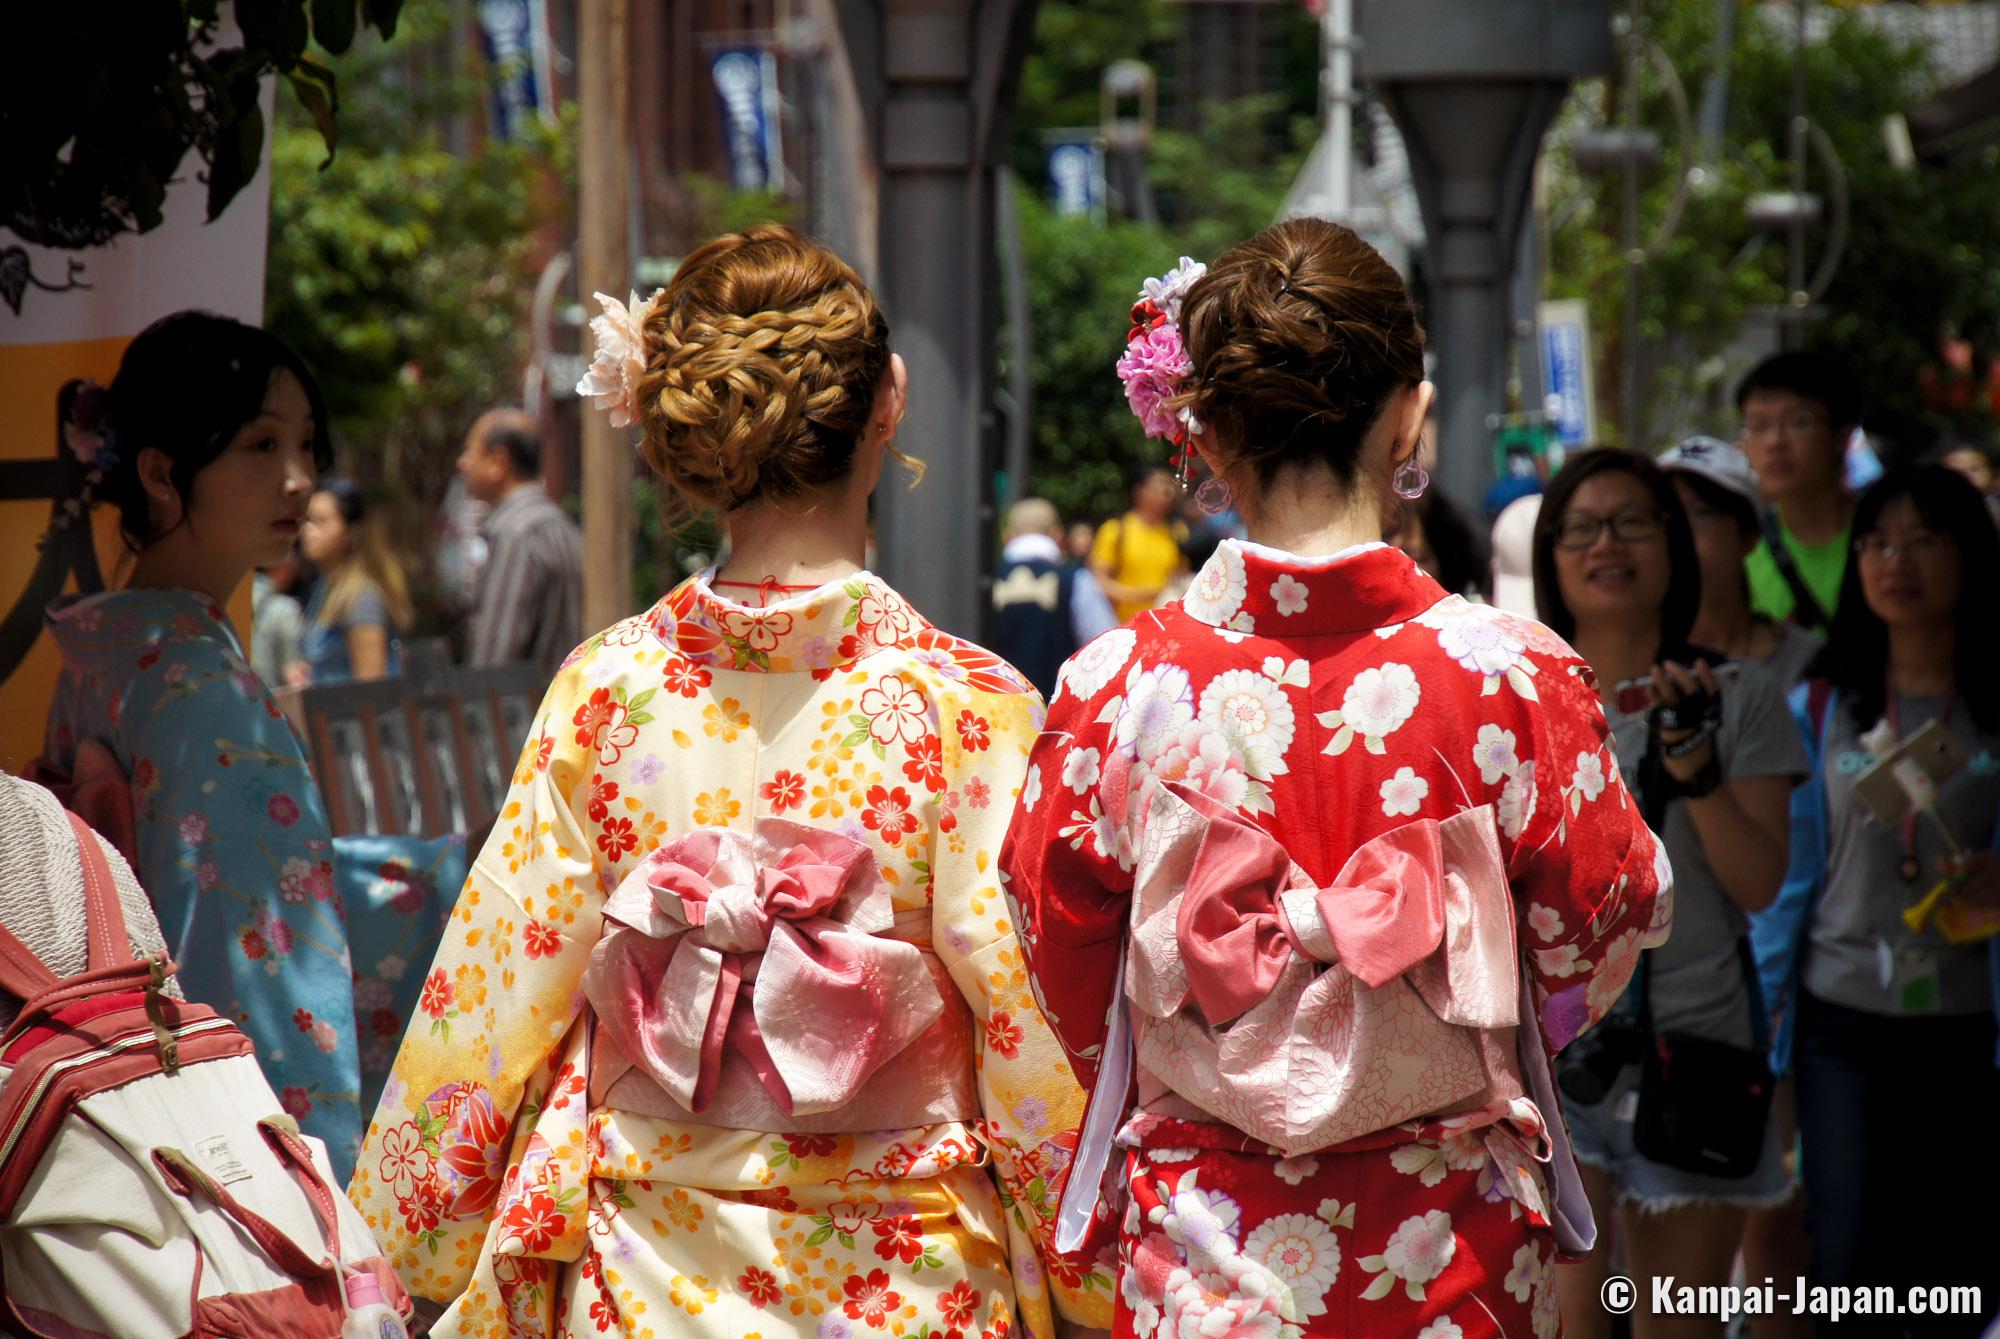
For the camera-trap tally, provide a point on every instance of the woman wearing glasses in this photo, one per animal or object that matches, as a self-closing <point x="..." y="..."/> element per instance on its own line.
<point x="1617" y="576"/>
<point x="1890" y="1023"/>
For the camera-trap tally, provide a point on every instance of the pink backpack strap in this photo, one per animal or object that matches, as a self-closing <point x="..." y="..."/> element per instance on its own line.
<point x="22" y="973"/>
<point x="104" y="915"/>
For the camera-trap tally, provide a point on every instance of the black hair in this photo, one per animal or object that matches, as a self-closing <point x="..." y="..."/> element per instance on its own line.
<point x="1683" y="601"/>
<point x="1460" y="552"/>
<point x="186" y="385"/>
<point x="1140" y="474"/>
<point x="523" y="448"/>
<point x="347" y="496"/>
<point x="1855" y="659"/>
<point x="1725" y="500"/>
<point x="1810" y="376"/>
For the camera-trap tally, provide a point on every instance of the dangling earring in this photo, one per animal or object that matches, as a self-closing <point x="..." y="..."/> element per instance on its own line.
<point x="1184" y="467"/>
<point x="1214" y="496"/>
<point x="1411" y="480"/>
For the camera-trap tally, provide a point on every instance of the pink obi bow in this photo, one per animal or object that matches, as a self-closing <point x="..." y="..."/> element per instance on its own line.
<point x="763" y="943"/>
<point x="1320" y="1014"/>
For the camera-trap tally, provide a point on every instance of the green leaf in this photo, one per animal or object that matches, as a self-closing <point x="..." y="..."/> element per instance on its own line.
<point x="333" y="24"/>
<point x="318" y="100"/>
<point x="820" y="1234"/>
<point x="381" y="15"/>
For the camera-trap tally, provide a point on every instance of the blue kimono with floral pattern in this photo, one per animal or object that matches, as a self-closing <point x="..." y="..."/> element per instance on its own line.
<point x="232" y="839"/>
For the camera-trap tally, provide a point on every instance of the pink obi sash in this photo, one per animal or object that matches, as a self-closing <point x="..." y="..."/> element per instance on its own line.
<point x="1307" y="1016"/>
<point x="763" y="980"/>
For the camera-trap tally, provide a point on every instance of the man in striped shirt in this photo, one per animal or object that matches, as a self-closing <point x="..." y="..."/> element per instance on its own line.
<point x="528" y="600"/>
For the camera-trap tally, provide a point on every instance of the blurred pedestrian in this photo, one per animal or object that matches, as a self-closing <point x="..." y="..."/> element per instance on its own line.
<point x="1514" y="556"/>
<point x="1712" y="769"/>
<point x="277" y="619"/>
<point x="528" y="600"/>
<point x="1044" y="606"/>
<point x="1719" y="490"/>
<point x="363" y="601"/>
<point x="1136" y="555"/>
<point x="1798" y="412"/>
<point x="1887" y="1023"/>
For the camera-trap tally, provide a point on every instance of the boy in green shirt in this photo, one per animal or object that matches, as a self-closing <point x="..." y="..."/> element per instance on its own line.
<point x="1798" y="410"/>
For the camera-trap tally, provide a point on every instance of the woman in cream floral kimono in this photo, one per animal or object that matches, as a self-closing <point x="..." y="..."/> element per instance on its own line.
<point x="731" y="1034"/>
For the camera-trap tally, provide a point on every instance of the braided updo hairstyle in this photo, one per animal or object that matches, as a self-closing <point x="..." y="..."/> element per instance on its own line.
<point x="762" y="360"/>
<point x="1298" y="339"/>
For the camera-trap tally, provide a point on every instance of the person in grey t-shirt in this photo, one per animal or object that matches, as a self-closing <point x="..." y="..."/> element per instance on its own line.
<point x="1719" y="490"/>
<point x="1617" y="574"/>
<point x="1890" y="1027"/>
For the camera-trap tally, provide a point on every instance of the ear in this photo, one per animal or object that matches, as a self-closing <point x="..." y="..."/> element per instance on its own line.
<point x="1411" y="410"/>
<point x="1204" y="446"/>
<point x="156" y="475"/>
<point x="892" y="397"/>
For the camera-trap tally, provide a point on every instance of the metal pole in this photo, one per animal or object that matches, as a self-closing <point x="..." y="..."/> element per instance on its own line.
<point x="604" y="267"/>
<point x="1337" y="28"/>
<point x="1795" y="259"/>
<point x="1635" y="419"/>
<point x="1020" y="338"/>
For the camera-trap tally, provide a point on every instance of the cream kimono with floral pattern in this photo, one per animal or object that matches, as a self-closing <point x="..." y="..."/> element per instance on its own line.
<point x="543" y="1179"/>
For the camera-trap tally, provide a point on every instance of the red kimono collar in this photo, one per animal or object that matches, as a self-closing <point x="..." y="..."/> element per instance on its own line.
<point x="1248" y="588"/>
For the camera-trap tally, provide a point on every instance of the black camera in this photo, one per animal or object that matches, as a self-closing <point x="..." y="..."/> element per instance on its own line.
<point x="1588" y="1067"/>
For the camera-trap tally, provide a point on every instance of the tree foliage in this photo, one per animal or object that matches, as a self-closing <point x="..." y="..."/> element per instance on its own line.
<point x="1217" y="181"/>
<point x="1920" y="256"/>
<point x="404" y="271"/>
<point x="105" y="100"/>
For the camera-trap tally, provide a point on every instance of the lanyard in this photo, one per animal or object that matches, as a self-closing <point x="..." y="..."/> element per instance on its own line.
<point x="1911" y="868"/>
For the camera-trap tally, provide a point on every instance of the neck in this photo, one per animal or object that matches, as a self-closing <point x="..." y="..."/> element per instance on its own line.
<point x="177" y="562"/>
<point x="1727" y="624"/>
<point x="1618" y="649"/>
<point x="1922" y="658"/>
<point x="797" y="544"/>
<point x="1314" y="518"/>
<point x="1816" y="518"/>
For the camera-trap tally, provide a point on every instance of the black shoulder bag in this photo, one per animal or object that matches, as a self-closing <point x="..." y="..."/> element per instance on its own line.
<point x="1704" y="1104"/>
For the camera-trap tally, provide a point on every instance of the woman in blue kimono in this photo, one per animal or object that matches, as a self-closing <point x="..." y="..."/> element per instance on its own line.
<point x="213" y="435"/>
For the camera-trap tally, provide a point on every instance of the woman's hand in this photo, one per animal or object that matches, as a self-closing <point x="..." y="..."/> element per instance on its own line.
<point x="1979" y="872"/>
<point x="1673" y="685"/>
<point x="298" y="674"/>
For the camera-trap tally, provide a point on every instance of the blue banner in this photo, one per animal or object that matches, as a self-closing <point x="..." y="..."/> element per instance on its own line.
<point x="509" y="36"/>
<point x="746" y="85"/>
<point x="1076" y="176"/>
<point x="1566" y="376"/>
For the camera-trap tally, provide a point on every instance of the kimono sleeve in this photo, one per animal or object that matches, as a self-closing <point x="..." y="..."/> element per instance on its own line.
<point x="235" y="851"/>
<point x="1590" y="877"/>
<point x="491" y="1061"/>
<point x="1032" y="1106"/>
<point x="1068" y="872"/>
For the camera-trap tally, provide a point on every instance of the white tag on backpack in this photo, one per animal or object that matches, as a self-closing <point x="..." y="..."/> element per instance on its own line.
<point x="221" y="1160"/>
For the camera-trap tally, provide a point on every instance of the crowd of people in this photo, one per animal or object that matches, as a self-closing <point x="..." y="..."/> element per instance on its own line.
<point x="1279" y="932"/>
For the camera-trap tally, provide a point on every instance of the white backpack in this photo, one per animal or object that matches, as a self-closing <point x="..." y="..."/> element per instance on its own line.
<point x="150" y="1184"/>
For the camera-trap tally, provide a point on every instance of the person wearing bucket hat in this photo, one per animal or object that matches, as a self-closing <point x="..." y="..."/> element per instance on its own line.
<point x="1719" y="489"/>
<point x="1513" y="555"/>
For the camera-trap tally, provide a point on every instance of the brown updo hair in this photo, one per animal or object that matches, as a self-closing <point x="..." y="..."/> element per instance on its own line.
<point x="1298" y="338"/>
<point x="762" y="360"/>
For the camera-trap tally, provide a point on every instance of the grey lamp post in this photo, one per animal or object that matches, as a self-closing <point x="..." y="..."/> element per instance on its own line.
<point x="1472" y="88"/>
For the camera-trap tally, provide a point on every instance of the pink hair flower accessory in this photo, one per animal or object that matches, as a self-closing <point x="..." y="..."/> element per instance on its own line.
<point x="620" y="360"/>
<point x="1155" y="362"/>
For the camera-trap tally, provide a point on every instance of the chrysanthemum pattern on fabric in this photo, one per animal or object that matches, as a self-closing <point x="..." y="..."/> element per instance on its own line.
<point x="1332" y="701"/>
<point x="497" y="1175"/>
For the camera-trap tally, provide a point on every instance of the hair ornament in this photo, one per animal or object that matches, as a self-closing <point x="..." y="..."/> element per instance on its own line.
<point x="620" y="360"/>
<point x="1155" y="363"/>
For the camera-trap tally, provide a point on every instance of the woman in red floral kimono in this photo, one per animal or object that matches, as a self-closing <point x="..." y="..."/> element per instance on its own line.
<point x="1357" y="850"/>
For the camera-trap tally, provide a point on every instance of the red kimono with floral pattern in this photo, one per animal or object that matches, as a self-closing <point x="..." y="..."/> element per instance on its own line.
<point x="1330" y="701"/>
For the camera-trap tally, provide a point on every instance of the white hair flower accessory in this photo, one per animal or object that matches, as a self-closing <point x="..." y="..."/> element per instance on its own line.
<point x="613" y="378"/>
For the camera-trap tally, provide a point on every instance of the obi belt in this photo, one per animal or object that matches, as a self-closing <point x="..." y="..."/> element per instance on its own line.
<point x="763" y="980"/>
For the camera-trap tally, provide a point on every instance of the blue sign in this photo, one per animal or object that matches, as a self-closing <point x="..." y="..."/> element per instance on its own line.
<point x="1076" y="176"/>
<point x="746" y="82"/>
<point x="509" y="37"/>
<point x="1566" y="379"/>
